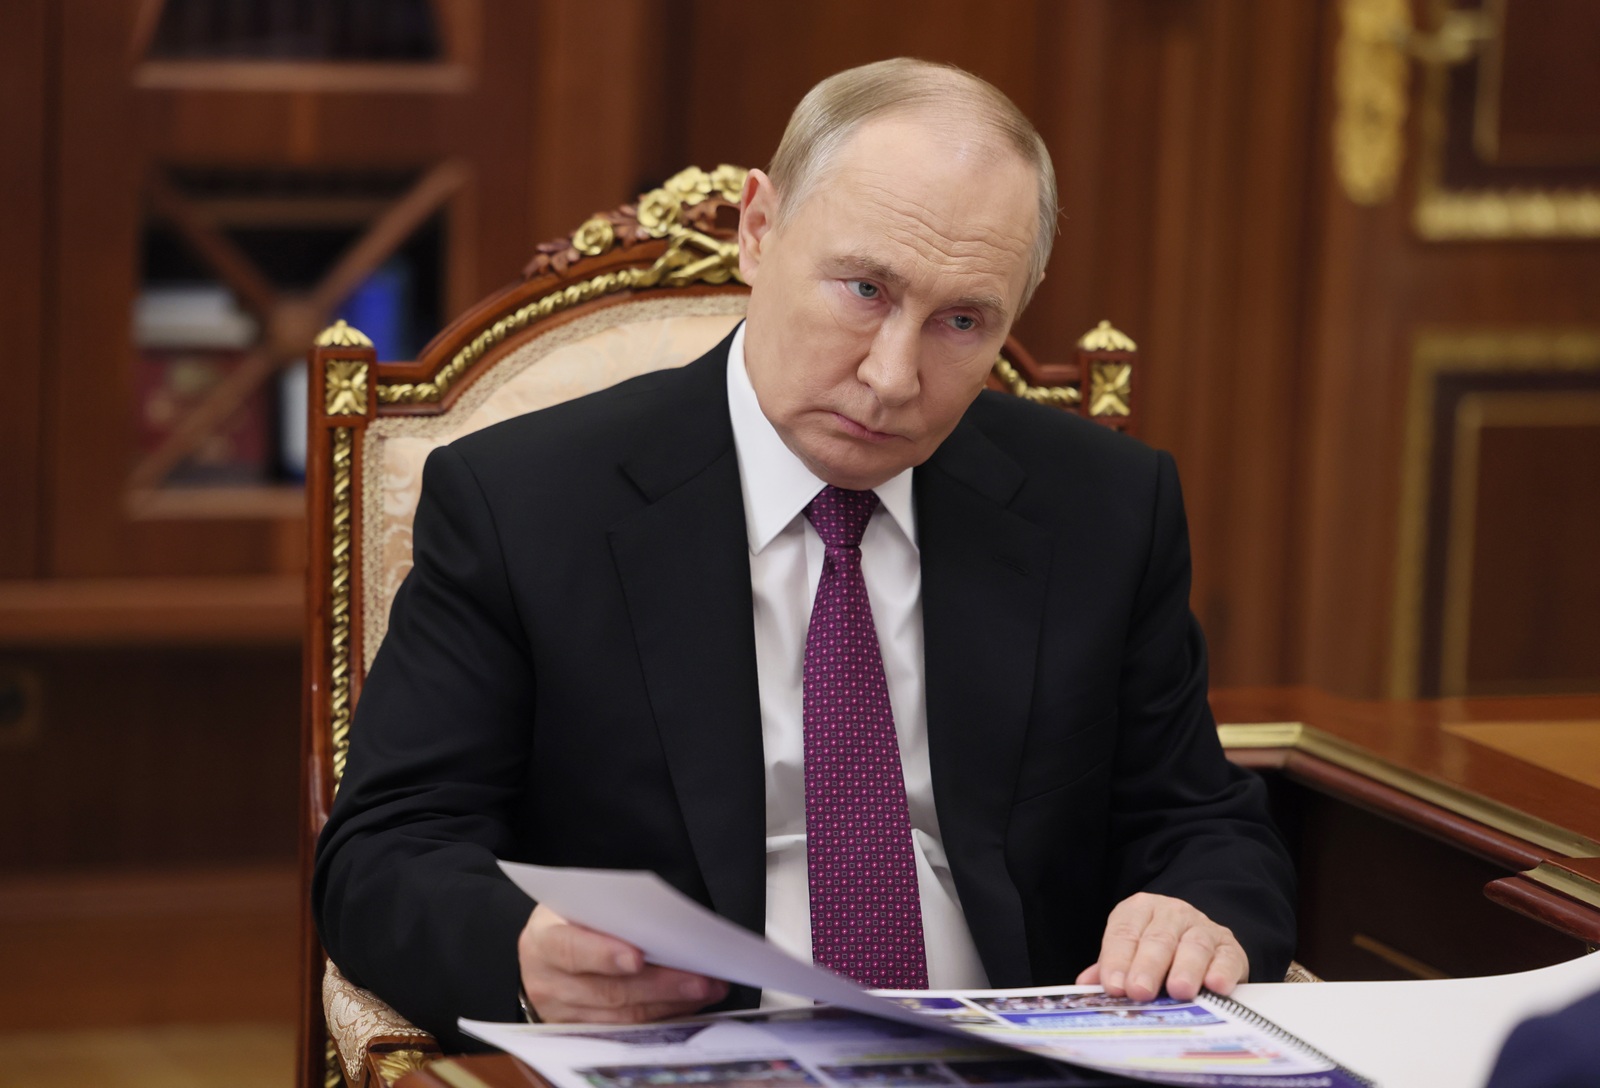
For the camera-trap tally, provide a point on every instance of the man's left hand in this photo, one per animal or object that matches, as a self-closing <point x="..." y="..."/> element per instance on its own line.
<point x="1151" y="939"/>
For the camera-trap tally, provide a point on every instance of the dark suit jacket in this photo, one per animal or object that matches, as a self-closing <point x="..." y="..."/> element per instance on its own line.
<point x="1558" y="1050"/>
<point x="569" y="678"/>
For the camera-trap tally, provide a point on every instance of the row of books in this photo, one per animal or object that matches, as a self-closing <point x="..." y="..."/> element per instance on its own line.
<point x="191" y="336"/>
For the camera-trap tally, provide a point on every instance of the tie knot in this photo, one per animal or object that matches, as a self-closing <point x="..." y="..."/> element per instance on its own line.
<point x="841" y="516"/>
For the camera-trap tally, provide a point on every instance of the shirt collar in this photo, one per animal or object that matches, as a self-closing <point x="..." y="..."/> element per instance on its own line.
<point x="776" y="484"/>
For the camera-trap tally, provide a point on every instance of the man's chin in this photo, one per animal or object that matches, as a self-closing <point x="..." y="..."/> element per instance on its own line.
<point x="858" y="474"/>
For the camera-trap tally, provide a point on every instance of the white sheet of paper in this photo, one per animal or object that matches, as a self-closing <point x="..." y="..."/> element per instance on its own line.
<point x="1421" y="1034"/>
<point x="674" y="931"/>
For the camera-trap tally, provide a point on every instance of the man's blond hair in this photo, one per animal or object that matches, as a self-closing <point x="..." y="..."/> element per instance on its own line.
<point x="834" y="109"/>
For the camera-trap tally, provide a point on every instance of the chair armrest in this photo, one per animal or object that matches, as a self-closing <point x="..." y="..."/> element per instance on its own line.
<point x="1296" y="973"/>
<point x="376" y="1045"/>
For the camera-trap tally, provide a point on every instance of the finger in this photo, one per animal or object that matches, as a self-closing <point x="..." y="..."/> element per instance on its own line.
<point x="1196" y="950"/>
<point x="1158" y="944"/>
<point x="1229" y="967"/>
<point x="1121" y="941"/>
<point x="1089" y="976"/>
<point x="575" y="950"/>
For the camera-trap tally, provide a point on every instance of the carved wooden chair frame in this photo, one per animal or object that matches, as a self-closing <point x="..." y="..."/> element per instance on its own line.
<point x="679" y="240"/>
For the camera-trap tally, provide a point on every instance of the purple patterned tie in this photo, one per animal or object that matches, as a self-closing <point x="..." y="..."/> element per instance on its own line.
<point x="866" y="917"/>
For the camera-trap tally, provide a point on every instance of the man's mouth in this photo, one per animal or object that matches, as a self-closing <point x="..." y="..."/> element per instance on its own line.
<point x="866" y="434"/>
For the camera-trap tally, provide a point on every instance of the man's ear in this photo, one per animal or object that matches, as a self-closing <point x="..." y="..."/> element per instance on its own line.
<point x="758" y="210"/>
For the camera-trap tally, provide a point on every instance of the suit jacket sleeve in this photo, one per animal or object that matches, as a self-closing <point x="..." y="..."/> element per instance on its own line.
<point x="407" y="896"/>
<point x="1185" y="822"/>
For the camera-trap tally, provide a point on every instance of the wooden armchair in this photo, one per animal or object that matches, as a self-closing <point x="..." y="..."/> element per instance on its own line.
<point x="652" y="284"/>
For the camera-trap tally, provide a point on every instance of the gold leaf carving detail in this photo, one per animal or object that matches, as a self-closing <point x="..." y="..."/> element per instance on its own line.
<point x="1484" y="214"/>
<point x="340" y="335"/>
<point x="659" y="210"/>
<point x="594" y="237"/>
<point x="1057" y="396"/>
<point x="346" y="393"/>
<point x="1110" y="388"/>
<point x="728" y="182"/>
<point x="339" y="681"/>
<point x="691" y="184"/>
<point x="397" y="1063"/>
<point x="332" y="1076"/>
<point x="1370" y="76"/>
<point x="1106" y="337"/>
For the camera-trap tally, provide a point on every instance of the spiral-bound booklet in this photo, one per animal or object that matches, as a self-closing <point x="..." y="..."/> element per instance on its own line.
<point x="1211" y="1040"/>
<point x="1070" y="1035"/>
<point x="1061" y="1038"/>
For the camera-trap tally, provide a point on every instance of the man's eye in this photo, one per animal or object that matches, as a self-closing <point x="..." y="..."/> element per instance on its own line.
<point x="861" y="288"/>
<point x="963" y="322"/>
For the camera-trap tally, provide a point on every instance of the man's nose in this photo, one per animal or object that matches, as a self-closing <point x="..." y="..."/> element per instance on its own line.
<point x="890" y="367"/>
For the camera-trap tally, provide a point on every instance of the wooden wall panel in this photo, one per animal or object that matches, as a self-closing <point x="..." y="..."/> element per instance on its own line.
<point x="152" y="759"/>
<point x="25" y="132"/>
<point x="596" y="143"/>
<point x="1535" y="585"/>
<point x="1377" y="293"/>
<point x="1224" y="273"/>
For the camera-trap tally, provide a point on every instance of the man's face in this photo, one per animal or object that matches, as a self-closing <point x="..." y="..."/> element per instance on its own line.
<point x="878" y="306"/>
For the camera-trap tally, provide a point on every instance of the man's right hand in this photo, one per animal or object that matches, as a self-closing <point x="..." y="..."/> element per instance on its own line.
<point x="576" y="975"/>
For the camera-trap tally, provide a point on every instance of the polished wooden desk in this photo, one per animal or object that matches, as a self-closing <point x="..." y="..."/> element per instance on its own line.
<point x="1426" y="848"/>
<point x="1434" y="839"/>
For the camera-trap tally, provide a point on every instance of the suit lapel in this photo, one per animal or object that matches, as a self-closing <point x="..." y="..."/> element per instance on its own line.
<point x="684" y="564"/>
<point x="984" y="575"/>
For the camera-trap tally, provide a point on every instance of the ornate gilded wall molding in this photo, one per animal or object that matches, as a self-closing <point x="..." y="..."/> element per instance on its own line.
<point x="1475" y="413"/>
<point x="1434" y="353"/>
<point x="1443" y="214"/>
<point x="1371" y="72"/>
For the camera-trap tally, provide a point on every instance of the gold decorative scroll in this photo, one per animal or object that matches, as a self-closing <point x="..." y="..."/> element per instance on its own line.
<point x="1370" y="76"/>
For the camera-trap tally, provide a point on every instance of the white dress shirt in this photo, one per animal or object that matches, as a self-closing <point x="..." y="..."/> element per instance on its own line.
<point x="785" y="566"/>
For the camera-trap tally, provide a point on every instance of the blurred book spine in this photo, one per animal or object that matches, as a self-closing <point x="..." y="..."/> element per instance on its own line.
<point x="189" y="338"/>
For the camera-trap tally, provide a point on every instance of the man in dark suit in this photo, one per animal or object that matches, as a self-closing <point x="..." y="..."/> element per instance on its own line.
<point x="640" y="634"/>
